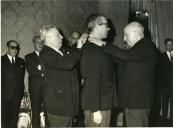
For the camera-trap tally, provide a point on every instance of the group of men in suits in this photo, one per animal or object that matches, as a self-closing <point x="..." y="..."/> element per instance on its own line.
<point x="53" y="80"/>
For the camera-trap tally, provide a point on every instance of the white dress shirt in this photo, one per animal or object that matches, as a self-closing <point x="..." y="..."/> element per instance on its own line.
<point x="37" y="53"/>
<point x="169" y="54"/>
<point x="10" y="58"/>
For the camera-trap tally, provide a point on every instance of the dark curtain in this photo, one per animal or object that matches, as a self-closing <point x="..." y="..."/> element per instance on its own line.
<point x="118" y="12"/>
<point x="160" y="18"/>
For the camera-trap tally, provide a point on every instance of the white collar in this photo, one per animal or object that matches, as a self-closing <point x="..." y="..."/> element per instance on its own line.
<point x="169" y="54"/>
<point x="37" y="53"/>
<point x="97" y="41"/>
<point x="57" y="50"/>
<point x="10" y="58"/>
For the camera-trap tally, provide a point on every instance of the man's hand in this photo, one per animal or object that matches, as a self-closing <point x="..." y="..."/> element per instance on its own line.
<point x="97" y="117"/>
<point x="82" y="40"/>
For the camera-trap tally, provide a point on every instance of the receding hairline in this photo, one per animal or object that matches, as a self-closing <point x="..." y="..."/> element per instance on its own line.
<point x="94" y="19"/>
<point x="134" y="26"/>
<point x="12" y="41"/>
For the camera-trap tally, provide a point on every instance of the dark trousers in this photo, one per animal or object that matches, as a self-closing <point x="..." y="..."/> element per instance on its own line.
<point x="105" y="119"/>
<point x="137" y="117"/>
<point x="36" y="106"/>
<point x="10" y="112"/>
<point x="171" y="110"/>
<point x="55" y="121"/>
<point x="164" y="101"/>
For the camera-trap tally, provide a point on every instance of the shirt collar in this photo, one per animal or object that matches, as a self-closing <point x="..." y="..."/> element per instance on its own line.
<point x="169" y="54"/>
<point x="57" y="50"/>
<point x="37" y="53"/>
<point x="98" y="42"/>
<point x="10" y="58"/>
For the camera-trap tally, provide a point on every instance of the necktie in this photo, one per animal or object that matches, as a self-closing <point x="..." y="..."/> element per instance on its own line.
<point x="12" y="60"/>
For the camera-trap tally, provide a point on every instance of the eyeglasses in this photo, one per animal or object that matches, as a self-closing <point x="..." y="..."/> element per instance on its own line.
<point x="14" y="47"/>
<point x="106" y="24"/>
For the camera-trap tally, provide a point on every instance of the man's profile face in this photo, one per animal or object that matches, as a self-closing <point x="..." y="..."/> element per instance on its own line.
<point x="102" y="27"/>
<point x="54" y="37"/>
<point x="129" y="36"/>
<point x="38" y="45"/>
<point x="169" y="46"/>
<point x="13" y="49"/>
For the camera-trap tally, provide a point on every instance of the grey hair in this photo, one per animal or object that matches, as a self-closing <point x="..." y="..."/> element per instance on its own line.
<point x="135" y="26"/>
<point x="44" y="31"/>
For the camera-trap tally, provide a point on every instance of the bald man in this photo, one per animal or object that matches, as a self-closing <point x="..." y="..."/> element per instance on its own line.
<point x="136" y="75"/>
<point x="74" y="37"/>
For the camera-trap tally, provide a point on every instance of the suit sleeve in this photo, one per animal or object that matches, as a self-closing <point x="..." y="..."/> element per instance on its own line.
<point x="22" y="79"/>
<point x="32" y="66"/>
<point x="124" y="55"/>
<point x="56" y="61"/>
<point x="94" y="79"/>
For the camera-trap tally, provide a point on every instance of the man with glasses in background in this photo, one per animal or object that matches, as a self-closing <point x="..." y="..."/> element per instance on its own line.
<point x="12" y="84"/>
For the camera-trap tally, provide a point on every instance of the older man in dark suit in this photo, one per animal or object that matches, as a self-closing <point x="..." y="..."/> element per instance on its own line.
<point x="97" y="69"/>
<point x="136" y="75"/>
<point x="12" y="84"/>
<point x="61" y="97"/>
<point x="36" y="81"/>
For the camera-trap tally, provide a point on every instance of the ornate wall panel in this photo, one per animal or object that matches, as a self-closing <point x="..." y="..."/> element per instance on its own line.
<point x="21" y="20"/>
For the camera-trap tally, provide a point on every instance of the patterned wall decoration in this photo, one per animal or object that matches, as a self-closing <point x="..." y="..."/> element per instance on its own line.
<point x="21" y="20"/>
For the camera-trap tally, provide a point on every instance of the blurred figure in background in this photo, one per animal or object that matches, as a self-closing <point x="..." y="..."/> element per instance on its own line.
<point x="74" y="37"/>
<point x="164" y="80"/>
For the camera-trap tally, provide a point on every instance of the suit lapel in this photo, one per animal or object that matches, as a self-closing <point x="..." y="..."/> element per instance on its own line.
<point x="35" y="57"/>
<point x="7" y="60"/>
<point x="167" y="58"/>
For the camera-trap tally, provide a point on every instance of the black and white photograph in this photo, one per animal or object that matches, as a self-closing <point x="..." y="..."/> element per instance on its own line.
<point x="86" y="63"/>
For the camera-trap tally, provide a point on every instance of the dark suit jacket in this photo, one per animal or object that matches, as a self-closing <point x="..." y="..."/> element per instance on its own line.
<point x="12" y="78"/>
<point x="171" y="83"/>
<point x="97" y="69"/>
<point x="36" y="80"/>
<point x="164" y="71"/>
<point x="136" y="75"/>
<point x="62" y="90"/>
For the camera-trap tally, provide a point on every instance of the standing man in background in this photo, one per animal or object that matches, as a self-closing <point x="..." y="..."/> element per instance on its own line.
<point x="164" y="80"/>
<point x="12" y="84"/>
<point x="36" y="81"/>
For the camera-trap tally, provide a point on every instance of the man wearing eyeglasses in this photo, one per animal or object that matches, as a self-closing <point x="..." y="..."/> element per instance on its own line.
<point x="12" y="85"/>
<point x="97" y="70"/>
